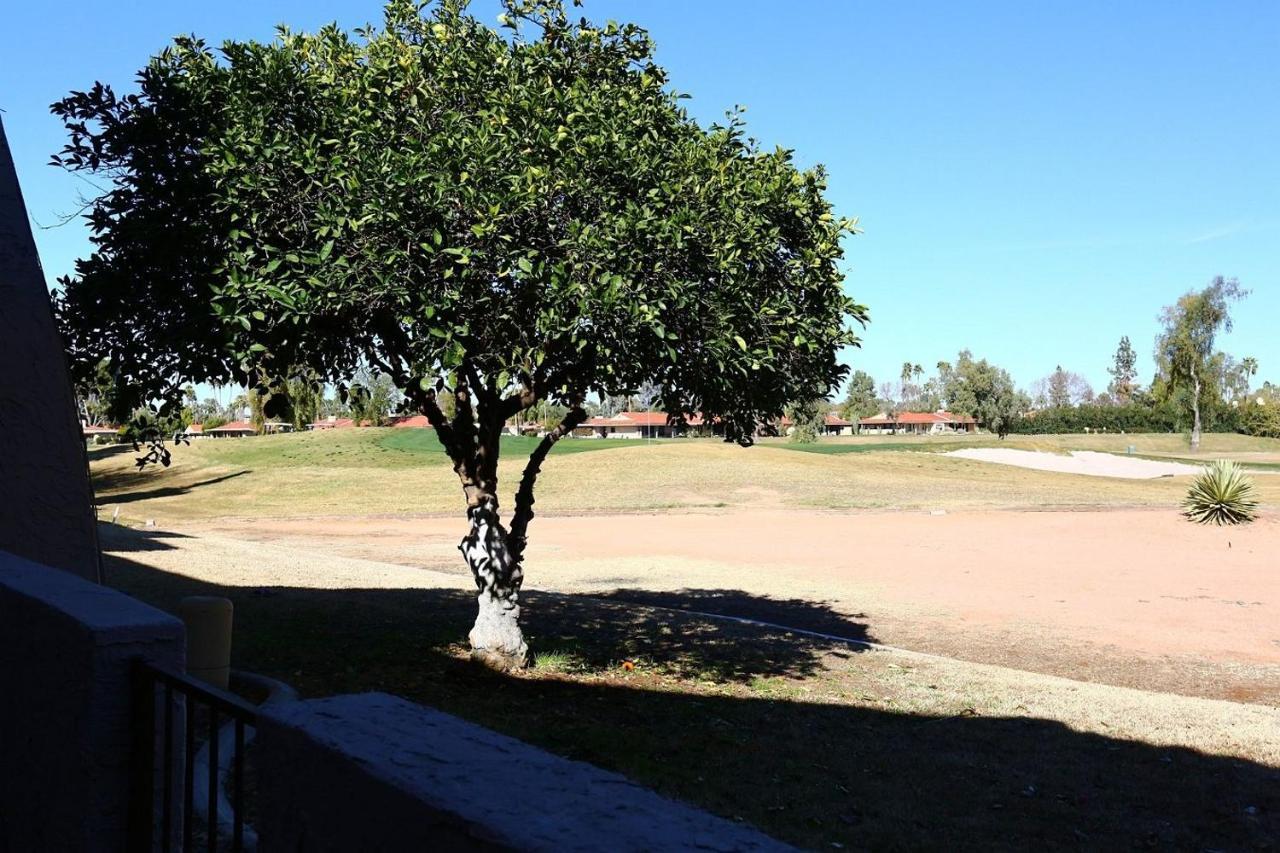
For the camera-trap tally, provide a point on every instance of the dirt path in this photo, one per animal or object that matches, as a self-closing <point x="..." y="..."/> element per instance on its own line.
<point x="1137" y="598"/>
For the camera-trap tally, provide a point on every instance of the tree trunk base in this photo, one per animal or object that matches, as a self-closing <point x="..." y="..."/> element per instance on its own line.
<point x="496" y="638"/>
<point x="498" y="661"/>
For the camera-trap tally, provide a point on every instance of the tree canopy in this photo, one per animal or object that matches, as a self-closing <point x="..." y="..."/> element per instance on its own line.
<point x="432" y="196"/>
<point x="861" y="401"/>
<point x="1124" y="372"/>
<point x="1186" y="357"/>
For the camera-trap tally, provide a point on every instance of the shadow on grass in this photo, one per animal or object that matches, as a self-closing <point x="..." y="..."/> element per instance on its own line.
<point x="106" y="451"/>
<point x="793" y="612"/>
<point x="812" y="772"/>
<point x="114" y="537"/>
<point x="116" y="481"/>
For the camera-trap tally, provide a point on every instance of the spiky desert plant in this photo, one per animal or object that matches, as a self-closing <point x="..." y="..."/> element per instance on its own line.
<point x="1223" y="494"/>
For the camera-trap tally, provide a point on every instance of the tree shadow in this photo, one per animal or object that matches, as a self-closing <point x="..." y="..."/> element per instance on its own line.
<point x="754" y="739"/>
<point x="599" y="631"/>
<point x="119" y="539"/>
<point x="806" y="615"/>
<point x="106" y="451"/>
<point x="119" y="480"/>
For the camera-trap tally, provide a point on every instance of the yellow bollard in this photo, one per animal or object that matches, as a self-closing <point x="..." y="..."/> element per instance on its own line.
<point x="208" y="621"/>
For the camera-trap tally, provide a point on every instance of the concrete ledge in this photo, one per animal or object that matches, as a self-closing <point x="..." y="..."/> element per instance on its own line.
<point x="375" y="772"/>
<point x="66" y="649"/>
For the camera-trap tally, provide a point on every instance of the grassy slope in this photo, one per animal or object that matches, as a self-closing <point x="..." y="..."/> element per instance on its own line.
<point x="361" y="472"/>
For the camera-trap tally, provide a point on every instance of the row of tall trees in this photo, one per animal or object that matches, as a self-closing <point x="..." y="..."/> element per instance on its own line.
<point x="1196" y="385"/>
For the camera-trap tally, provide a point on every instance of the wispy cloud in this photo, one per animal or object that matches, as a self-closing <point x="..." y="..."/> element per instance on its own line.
<point x="1230" y="229"/>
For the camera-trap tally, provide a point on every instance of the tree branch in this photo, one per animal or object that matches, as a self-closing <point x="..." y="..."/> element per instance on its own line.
<point x="444" y="430"/>
<point x="518" y="402"/>
<point x="524" y="496"/>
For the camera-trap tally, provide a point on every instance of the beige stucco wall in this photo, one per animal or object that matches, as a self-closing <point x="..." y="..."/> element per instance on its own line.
<point x="46" y="506"/>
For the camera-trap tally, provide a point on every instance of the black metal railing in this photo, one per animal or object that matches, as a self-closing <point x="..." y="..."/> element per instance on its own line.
<point x="189" y="705"/>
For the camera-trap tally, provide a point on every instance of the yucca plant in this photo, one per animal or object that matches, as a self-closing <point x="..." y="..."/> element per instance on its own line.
<point x="1223" y="494"/>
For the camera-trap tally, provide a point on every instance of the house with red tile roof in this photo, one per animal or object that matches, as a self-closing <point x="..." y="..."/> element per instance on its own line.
<point x="99" y="433"/>
<point x="234" y="429"/>
<point x="629" y="425"/>
<point x="832" y="424"/>
<point x="918" y="423"/>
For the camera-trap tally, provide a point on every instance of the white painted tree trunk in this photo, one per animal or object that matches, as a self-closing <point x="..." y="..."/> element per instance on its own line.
<point x="496" y="638"/>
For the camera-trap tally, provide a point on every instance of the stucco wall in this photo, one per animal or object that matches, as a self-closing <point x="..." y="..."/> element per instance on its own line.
<point x="375" y="772"/>
<point x="66" y="648"/>
<point x="45" y="503"/>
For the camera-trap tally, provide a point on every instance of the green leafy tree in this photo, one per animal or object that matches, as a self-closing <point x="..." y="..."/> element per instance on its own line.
<point x="958" y="384"/>
<point x="979" y="388"/>
<point x="1260" y="412"/>
<point x="258" y="408"/>
<point x="1124" y="372"/>
<point x="306" y="394"/>
<point x="1234" y="377"/>
<point x="206" y="411"/>
<point x="861" y="401"/>
<point x="500" y="220"/>
<point x="1059" y="388"/>
<point x="1000" y="404"/>
<point x="1185" y="349"/>
<point x="372" y="397"/>
<point x="808" y="421"/>
<point x="96" y="394"/>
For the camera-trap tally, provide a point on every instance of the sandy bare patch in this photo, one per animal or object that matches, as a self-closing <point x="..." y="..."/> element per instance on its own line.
<point x="1137" y="598"/>
<point x="906" y="682"/>
<point x="1088" y="462"/>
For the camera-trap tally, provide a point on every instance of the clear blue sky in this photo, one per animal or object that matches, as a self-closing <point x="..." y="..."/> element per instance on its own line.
<point x="1034" y="180"/>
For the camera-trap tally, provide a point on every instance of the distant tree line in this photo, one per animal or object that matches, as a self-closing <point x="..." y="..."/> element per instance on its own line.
<point x="1196" y="386"/>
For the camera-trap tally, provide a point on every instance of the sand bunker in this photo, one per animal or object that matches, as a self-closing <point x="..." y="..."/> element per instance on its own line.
<point x="1087" y="462"/>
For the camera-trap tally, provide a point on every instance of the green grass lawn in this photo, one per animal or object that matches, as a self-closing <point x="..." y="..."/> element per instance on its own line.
<point x="888" y="444"/>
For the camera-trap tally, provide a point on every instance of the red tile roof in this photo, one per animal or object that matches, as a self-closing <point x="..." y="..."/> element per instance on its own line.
<point x="415" y="421"/>
<point x="334" y="423"/>
<point x="919" y="418"/>
<point x="234" y="426"/>
<point x="829" y="419"/>
<point x="629" y="419"/>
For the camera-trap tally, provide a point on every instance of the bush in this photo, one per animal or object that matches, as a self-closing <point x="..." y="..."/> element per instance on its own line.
<point x="807" y="421"/>
<point x="1260" y="419"/>
<point x="1223" y="494"/>
<point x="1132" y="417"/>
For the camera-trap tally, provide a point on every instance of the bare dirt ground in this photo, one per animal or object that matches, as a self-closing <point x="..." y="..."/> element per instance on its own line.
<point x="1136" y="598"/>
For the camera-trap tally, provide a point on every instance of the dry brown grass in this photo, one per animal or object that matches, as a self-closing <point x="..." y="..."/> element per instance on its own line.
<point x="351" y="472"/>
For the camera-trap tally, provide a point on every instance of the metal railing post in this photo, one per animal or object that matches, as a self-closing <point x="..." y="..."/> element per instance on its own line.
<point x="141" y="821"/>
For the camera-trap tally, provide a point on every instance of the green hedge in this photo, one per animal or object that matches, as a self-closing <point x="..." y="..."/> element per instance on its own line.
<point x="1250" y="419"/>
<point x="1096" y="418"/>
